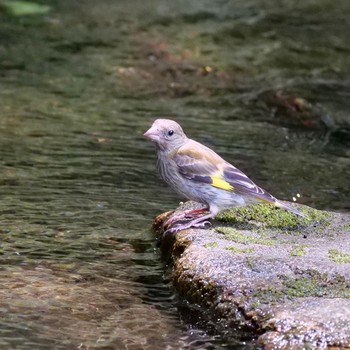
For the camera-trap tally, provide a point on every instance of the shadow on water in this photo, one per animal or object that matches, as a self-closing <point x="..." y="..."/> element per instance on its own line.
<point x="261" y="82"/>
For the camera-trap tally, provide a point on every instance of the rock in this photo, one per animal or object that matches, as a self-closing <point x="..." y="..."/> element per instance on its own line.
<point x="262" y="271"/>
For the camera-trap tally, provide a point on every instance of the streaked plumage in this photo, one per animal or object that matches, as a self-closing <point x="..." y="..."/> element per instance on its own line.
<point x="198" y="173"/>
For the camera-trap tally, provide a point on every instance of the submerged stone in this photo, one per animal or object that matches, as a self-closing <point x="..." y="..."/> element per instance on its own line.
<point x="261" y="271"/>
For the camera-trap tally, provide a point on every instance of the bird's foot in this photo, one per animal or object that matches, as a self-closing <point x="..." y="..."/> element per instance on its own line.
<point x="180" y="227"/>
<point x="187" y="214"/>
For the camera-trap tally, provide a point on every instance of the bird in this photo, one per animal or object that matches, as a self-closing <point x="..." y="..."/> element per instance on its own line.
<point x="198" y="173"/>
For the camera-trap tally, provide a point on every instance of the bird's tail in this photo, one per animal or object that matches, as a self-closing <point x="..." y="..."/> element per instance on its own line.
<point x="289" y="208"/>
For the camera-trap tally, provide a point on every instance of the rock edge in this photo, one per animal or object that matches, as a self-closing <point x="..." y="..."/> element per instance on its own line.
<point x="267" y="275"/>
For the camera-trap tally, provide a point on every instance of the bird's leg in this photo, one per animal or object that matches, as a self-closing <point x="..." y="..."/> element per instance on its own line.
<point x="198" y="222"/>
<point x="183" y="215"/>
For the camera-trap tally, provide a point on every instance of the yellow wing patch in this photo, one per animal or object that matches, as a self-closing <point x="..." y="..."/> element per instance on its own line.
<point x="221" y="183"/>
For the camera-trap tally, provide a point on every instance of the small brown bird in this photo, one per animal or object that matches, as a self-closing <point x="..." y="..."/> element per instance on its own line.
<point x="198" y="173"/>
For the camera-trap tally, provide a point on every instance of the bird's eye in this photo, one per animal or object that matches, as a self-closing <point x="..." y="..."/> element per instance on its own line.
<point x="171" y="132"/>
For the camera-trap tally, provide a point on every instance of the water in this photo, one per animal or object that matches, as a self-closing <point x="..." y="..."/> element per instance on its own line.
<point x="79" y="267"/>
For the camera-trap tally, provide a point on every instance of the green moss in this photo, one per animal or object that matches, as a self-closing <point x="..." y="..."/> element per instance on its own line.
<point x="338" y="256"/>
<point x="239" y="250"/>
<point x="302" y="287"/>
<point x="211" y="245"/>
<point x="268" y="296"/>
<point x="298" y="250"/>
<point x="315" y="284"/>
<point x="269" y="216"/>
<point x="250" y="262"/>
<point x="308" y="284"/>
<point x="316" y="217"/>
<point x="239" y="237"/>
<point x="346" y="227"/>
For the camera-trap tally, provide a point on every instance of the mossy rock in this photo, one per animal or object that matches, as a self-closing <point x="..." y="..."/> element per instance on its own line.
<point x="269" y="216"/>
<point x="262" y="270"/>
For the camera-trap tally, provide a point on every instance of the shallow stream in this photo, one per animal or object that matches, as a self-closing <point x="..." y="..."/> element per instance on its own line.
<point x="264" y="83"/>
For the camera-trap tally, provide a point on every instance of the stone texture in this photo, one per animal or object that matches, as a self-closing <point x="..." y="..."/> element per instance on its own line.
<point x="261" y="270"/>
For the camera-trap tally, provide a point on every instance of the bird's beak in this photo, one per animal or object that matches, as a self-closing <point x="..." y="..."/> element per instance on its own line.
<point x="152" y="134"/>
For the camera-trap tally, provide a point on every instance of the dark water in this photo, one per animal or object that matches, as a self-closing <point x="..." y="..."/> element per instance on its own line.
<point x="265" y="83"/>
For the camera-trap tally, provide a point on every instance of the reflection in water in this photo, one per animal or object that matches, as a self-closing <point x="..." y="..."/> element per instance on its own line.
<point x="80" y="85"/>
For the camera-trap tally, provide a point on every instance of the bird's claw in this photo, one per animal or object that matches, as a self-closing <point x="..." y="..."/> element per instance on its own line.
<point x="180" y="227"/>
<point x="184" y="216"/>
<point x="204" y="223"/>
<point x="172" y="230"/>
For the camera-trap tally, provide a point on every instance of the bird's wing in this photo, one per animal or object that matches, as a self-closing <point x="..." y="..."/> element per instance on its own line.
<point x="242" y="184"/>
<point x="199" y="163"/>
<point x="194" y="159"/>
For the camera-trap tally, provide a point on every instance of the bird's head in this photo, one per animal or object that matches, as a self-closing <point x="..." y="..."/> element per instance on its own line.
<point x="166" y="134"/>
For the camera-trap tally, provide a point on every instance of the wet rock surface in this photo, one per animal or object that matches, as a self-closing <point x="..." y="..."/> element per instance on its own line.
<point x="267" y="274"/>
